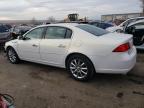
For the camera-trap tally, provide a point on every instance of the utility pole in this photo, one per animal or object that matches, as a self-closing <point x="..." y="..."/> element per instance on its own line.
<point x="142" y="5"/>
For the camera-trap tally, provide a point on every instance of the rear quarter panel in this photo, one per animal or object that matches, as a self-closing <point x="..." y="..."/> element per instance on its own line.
<point x="90" y="45"/>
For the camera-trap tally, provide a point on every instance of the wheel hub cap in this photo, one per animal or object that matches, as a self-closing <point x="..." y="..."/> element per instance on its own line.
<point x="11" y="55"/>
<point x="78" y="68"/>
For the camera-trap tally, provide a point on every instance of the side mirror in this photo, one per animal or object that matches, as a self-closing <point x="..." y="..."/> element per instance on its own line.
<point x="20" y="37"/>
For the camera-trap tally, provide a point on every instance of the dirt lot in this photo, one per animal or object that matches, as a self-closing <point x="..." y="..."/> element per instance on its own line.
<point x="38" y="86"/>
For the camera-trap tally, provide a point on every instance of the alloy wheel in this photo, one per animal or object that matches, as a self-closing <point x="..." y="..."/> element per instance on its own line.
<point x="12" y="55"/>
<point x="78" y="68"/>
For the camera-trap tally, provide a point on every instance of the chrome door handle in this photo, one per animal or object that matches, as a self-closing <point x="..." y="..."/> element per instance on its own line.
<point x="61" y="46"/>
<point x="34" y="45"/>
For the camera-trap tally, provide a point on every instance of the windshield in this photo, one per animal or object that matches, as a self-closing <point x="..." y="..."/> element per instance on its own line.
<point x="92" y="29"/>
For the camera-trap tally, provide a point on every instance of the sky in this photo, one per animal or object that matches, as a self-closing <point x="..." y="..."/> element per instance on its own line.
<point x="59" y="9"/>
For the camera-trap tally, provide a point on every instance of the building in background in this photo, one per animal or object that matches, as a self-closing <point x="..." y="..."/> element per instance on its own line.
<point x="113" y="17"/>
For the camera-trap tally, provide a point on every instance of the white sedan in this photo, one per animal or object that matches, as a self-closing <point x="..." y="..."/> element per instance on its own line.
<point x="80" y="48"/>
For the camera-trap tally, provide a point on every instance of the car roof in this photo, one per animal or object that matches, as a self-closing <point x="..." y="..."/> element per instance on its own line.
<point x="60" y="24"/>
<point x="136" y="18"/>
<point x="140" y="21"/>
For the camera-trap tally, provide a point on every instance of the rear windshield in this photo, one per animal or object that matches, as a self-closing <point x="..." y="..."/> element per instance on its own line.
<point x="92" y="29"/>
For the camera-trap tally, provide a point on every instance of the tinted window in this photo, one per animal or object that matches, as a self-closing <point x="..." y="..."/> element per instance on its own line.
<point x="35" y="34"/>
<point x="68" y="34"/>
<point x="95" y="24"/>
<point x="139" y="19"/>
<point x="139" y="25"/>
<point x="93" y="30"/>
<point x="57" y="33"/>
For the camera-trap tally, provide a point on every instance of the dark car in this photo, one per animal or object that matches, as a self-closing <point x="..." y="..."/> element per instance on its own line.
<point x="4" y="34"/>
<point x="137" y="30"/>
<point x="19" y="30"/>
<point x="102" y="25"/>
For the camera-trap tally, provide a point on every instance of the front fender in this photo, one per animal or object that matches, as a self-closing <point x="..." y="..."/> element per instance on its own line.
<point x="12" y="44"/>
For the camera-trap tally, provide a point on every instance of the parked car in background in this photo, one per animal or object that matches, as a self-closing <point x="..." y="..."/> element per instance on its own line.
<point x="124" y="24"/>
<point x="8" y="26"/>
<point x="83" y="49"/>
<point x="100" y="24"/>
<point x="137" y="30"/>
<point x="19" y="30"/>
<point x="4" y="34"/>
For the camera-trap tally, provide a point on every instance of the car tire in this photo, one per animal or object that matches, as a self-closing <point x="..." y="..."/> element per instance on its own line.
<point x="12" y="56"/>
<point x="80" y="67"/>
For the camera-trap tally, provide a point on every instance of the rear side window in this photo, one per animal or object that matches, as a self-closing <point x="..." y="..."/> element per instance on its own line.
<point x="92" y="29"/>
<point x="58" y="33"/>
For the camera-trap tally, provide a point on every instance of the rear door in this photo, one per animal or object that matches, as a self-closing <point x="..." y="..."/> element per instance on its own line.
<point x="55" y="45"/>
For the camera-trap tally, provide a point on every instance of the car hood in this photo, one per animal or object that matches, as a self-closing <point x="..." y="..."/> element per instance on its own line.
<point x="13" y="41"/>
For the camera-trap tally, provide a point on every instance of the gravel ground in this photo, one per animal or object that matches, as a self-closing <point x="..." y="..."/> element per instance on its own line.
<point x="39" y="86"/>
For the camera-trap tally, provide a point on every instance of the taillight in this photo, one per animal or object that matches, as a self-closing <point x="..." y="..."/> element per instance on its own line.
<point x="122" y="48"/>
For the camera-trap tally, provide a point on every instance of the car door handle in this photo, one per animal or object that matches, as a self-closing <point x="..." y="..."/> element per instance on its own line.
<point x="61" y="46"/>
<point x="34" y="45"/>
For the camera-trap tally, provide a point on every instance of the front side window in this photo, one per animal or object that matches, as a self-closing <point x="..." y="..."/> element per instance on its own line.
<point x="139" y="19"/>
<point x="57" y="33"/>
<point x="35" y="34"/>
<point x="139" y="25"/>
<point x="135" y="26"/>
<point x="92" y="29"/>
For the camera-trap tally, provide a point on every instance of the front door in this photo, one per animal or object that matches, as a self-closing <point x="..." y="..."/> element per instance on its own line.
<point x="29" y="47"/>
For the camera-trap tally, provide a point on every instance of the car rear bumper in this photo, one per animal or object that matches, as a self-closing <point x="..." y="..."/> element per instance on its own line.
<point x="116" y="63"/>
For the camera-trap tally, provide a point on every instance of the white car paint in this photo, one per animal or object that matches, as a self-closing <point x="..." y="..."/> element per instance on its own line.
<point x="99" y="49"/>
<point x="114" y="28"/>
<point x="123" y="24"/>
<point x="138" y="27"/>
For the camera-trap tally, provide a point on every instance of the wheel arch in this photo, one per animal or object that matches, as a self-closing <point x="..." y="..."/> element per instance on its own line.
<point x="76" y="53"/>
<point x="17" y="59"/>
<point x="9" y="47"/>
